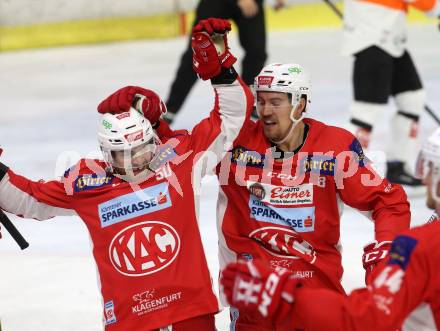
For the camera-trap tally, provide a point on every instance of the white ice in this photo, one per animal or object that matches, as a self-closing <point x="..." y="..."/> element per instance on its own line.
<point x="48" y="99"/>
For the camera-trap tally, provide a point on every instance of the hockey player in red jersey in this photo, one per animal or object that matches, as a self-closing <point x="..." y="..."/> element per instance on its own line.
<point x="139" y="204"/>
<point x="282" y="200"/>
<point x="282" y="189"/>
<point x="403" y="292"/>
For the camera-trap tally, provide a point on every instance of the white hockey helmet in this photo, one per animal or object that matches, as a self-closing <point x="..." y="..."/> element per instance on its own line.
<point x="429" y="158"/>
<point x="290" y="78"/>
<point x="127" y="135"/>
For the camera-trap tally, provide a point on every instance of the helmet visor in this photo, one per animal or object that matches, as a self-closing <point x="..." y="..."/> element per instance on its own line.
<point x="135" y="159"/>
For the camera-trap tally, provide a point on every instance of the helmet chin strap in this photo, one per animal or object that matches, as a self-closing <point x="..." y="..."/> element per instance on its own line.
<point x="295" y="122"/>
<point x="434" y="186"/>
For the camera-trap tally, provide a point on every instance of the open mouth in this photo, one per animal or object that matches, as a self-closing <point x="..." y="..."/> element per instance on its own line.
<point x="269" y="123"/>
<point x="138" y="170"/>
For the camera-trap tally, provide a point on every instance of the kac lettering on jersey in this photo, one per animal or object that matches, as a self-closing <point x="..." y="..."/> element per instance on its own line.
<point x="90" y="181"/>
<point x="134" y="204"/>
<point x="299" y="219"/>
<point x="282" y="195"/>
<point x="284" y="243"/>
<point x="144" y="248"/>
<point x="109" y="311"/>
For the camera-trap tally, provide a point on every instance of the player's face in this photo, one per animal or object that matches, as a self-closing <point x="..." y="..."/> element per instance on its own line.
<point x="137" y="158"/>
<point x="428" y="180"/>
<point x="274" y="110"/>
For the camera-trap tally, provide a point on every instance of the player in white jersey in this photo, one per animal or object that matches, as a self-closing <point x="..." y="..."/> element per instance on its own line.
<point x="375" y="34"/>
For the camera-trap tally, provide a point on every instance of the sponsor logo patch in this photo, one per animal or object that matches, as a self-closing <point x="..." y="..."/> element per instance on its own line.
<point x="319" y="164"/>
<point x="281" y="176"/>
<point x="148" y="301"/>
<point x="257" y="190"/>
<point x="134" y="204"/>
<point x="109" y="311"/>
<point x="106" y="124"/>
<point x="123" y="115"/>
<point x="282" y="195"/>
<point x="265" y="80"/>
<point x="242" y="156"/>
<point x="299" y="219"/>
<point x="294" y="70"/>
<point x="91" y="181"/>
<point x="401" y="250"/>
<point x="165" y="154"/>
<point x="144" y="248"/>
<point x="131" y="137"/>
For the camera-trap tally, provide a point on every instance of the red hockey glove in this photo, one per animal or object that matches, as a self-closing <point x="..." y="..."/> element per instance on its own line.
<point x="210" y="47"/>
<point x="148" y="101"/>
<point x="256" y="289"/>
<point x="373" y="254"/>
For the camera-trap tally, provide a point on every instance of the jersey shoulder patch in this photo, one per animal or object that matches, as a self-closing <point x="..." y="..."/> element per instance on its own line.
<point x="401" y="251"/>
<point x="87" y="174"/>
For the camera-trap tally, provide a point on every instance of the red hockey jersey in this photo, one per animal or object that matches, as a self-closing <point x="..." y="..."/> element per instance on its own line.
<point x="146" y="242"/>
<point x="287" y="213"/>
<point x="405" y="290"/>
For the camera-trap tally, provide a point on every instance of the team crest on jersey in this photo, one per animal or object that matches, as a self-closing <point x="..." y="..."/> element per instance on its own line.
<point x="91" y="181"/>
<point x="284" y="243"/>
<point x="242" y="156"/>
<point x="401" y="250"/>
<point x="319" y="164"/>
<point x="144" y="248"/>
<point x="257" y="190"/>
<point x="134" y="204"/>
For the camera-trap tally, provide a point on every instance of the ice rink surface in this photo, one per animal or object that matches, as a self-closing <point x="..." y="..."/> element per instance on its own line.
<point x="48" y="102"/>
